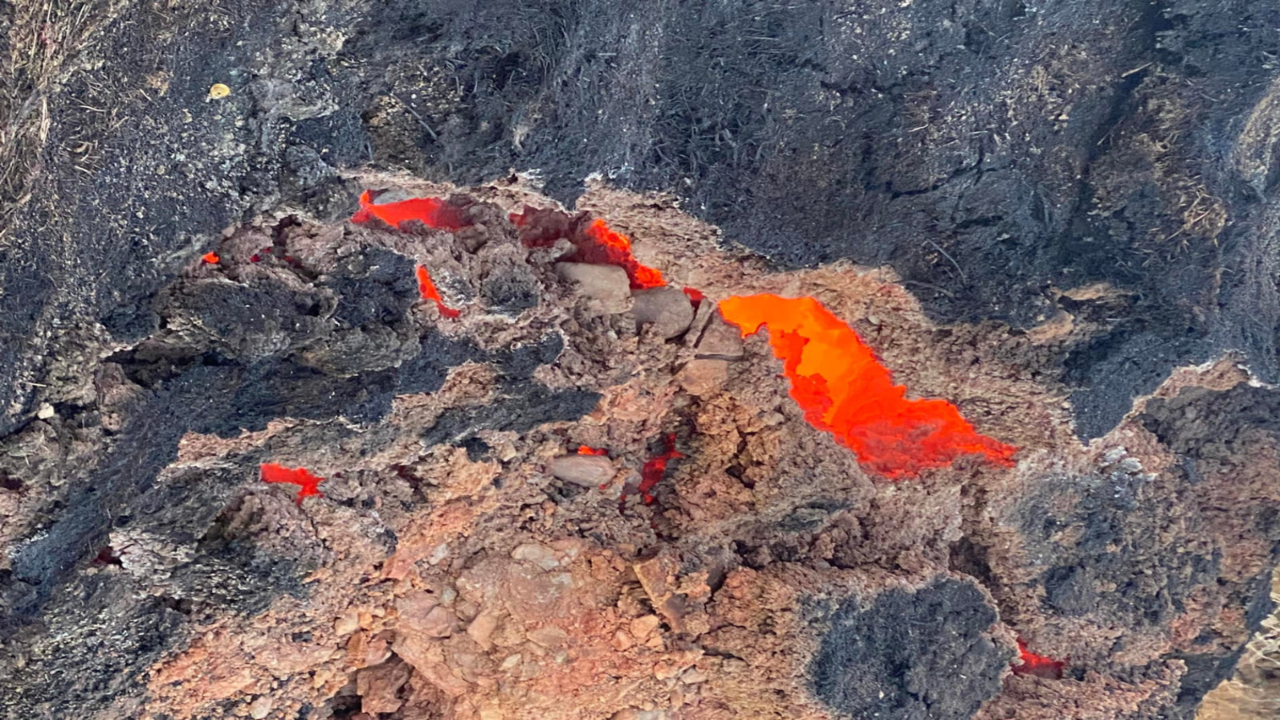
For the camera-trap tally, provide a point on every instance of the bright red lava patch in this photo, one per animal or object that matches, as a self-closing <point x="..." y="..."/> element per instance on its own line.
<point x="1038" y="665"/>
<point x="843" y="389"/>
<point x="308" y="483"/>
<point x="429" y="292"/>
<point x="210" y="258"/>
<point x="432" y="212"/>
<point x="585" y="450"/>
<point x="653" y="470"/>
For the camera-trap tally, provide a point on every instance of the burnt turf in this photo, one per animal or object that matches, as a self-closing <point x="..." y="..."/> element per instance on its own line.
<point x="911" y="655"/>
<point x="982" y="158"/>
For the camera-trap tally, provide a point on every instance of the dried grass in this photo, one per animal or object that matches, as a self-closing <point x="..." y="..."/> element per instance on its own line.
<point x="43" y="38"/>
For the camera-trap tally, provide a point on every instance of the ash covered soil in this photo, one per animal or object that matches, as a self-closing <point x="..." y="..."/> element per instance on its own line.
<point x="1071" y="208"/>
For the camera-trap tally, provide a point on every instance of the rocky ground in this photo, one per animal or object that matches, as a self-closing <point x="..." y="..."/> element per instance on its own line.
<point x="1057" y="216"/>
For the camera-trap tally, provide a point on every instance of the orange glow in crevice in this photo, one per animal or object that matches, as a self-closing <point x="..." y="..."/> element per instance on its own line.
<point x="586" y="450"/>
<point x="429" y="292"/>
<point x="432" y="212"/>
<point x="1038" y="665"/>
<point x="210" y="258"/>
<point x="308" y="484"/>
<point x="596" y="244"/>
<point x="653" y="470"/>
<point x="843" y="389"/>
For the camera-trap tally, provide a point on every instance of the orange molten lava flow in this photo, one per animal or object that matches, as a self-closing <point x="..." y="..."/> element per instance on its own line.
<point x="308" y="483"/>
<point x="433" y="212"/>
<point x="585" y="450"/>
<point x="843" y="389"/>
<point x="1038" y="665"/>
<point x="210" y="258"/>
<point x="429" y="292"/>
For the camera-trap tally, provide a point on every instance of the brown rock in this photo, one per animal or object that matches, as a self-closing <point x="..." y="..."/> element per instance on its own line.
<point x="364" y="651"/>
<point x="584" y="470"/>
<point x="720" y="339"/>
<point x="703" y="376"/>
<point x="540" y="555"/>
<point x="549" y="637"/>
<point x="427" y="657"/>
<point x="379" y="687"/>
<point x="622" y="641"/>
<point x="347" y="624"/>
<point x="439" y="623"/>
<point x="421" y="613"/>
<point x="261" y="707"/>
<point x="642" y="626"/>
<point x="666" y="308"/>
<point x="481" y="629"/>
<point x="607" y="284"/>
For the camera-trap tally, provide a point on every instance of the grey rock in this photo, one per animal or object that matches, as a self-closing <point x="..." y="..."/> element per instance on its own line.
<point x="666" y="308"/>
<point x="585" y="470"/>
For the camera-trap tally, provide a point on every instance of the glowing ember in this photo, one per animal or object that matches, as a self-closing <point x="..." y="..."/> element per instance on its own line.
<point x="432" y="212"/>
<point x="210" y="258"/>
<point x="308" y="484"/>
<point x="584" y="450"/>
<point x="429" y="292"/>
<point x="653" y="470"/>
<point x="1037" y="665"/>
<point x="843" y="389"/>
<point x="695" y="295"/>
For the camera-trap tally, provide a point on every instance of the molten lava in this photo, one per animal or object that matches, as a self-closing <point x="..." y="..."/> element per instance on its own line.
<point x="585" y="450"/>
<point x="429" y="292"/>
<point x="210" y="258"/>
<point x="1038" y="665"/>
<point x="843" y="389"/>
<point x="653" y="470"/>
<point x="432" y="212"/>
<point x="308" y="484"/>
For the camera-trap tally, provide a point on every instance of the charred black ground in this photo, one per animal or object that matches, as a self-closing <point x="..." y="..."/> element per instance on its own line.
<point x="995" y="154"/>
<point x="922" y="654"/>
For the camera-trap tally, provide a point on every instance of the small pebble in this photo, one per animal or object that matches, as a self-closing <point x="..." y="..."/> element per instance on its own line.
<point x="261" y="707"/>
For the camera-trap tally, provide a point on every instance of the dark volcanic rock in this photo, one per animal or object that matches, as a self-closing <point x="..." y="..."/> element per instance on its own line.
<point x="907" y="656"/>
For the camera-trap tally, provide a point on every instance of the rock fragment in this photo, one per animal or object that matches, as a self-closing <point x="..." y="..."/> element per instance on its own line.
<point x="379" y="687"/>
<point x="720" y="339"/>
<point x="666" y="308"/>
<point x="584" y="470"/>
<point x="607" y="284"/>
